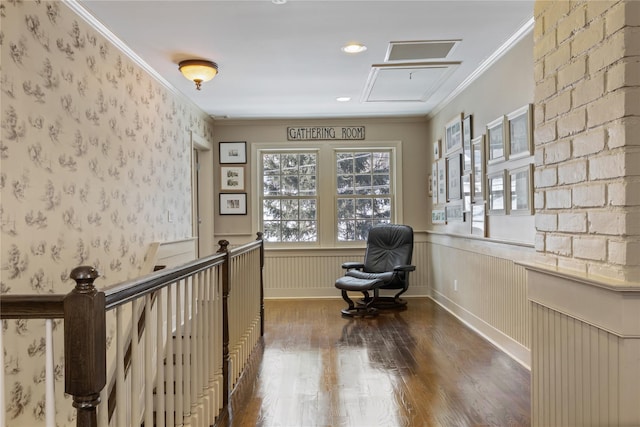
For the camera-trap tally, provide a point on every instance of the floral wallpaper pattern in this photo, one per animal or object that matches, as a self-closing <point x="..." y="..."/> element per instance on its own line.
<point x="94" y="155"/>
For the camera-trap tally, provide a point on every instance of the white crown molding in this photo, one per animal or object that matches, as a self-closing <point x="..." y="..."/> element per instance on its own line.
<point x="106" y="33"/>
<point x="485" y="65"/>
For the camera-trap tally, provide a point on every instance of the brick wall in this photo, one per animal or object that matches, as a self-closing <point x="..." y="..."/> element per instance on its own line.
<point x="587" y="137"/>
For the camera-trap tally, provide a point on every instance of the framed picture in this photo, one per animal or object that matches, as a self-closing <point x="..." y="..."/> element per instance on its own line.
<point x="233" y="152"/>
<point x="233" y="204"/>
<point x="434" y="184"/>
<point x="466" y="192"/>
<point x="438" y="216"/>
<point x="232" y="178"/>
<point x="478" y="220"/>
<point x="466" y="144"/>
<point x="453" y="135"/>
<point x="521" y="190"/>
<point x="477" y="166"/>
<point x="520" y="124"/>
<point x="454" y="191"/>
<point x="496" y="147"/>
<point x="454" y="212"/>
<point x="436" y="149"/>
<point x="442" y="180"/>
<point x="496" y="184"/>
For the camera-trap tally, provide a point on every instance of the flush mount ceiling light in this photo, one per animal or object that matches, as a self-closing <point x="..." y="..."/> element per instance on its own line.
<point x="198" y="70"/>
<point x="353" y="48"/>
<point x="343" y="99"/>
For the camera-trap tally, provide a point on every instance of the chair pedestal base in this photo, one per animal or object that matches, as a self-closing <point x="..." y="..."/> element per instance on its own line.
<point x="366" y="306"/>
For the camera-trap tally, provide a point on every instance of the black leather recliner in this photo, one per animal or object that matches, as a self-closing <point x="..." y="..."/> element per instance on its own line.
<point x="386" y="265"/>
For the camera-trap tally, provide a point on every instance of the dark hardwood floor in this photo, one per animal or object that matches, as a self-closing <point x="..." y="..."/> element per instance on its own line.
<point x="418" y="367"/>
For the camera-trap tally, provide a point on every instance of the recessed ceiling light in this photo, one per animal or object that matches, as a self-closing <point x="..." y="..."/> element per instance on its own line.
<point x="354" y="48"/>
<point x="278" y="1"/>
<point x="343" y="99"/>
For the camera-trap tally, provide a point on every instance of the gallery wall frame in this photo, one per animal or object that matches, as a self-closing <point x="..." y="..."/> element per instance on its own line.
<point x="454" y="163"/>
<point x="233" y="152"/>
<point x="521" y="191"/>
<point x="467" y="133"/>
<point x="232" y="178"/>
<point x="437" y="149"/>
<point x="453" y="135"/>
<point x="520" y="132"/>
<point x="496" y="145"/>
<point x="478" y="168"/>
<point x="478" y="220"/>
<point x="442" y="181"/>
<point x="233" y="203"/>
<point x="454" y="212"/>
<point x="496" y="193"/>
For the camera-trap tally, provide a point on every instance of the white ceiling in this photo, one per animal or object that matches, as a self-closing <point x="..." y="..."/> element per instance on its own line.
<point x="284" y="60"/>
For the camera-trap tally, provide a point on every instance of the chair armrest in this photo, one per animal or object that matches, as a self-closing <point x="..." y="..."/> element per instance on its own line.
<point x="352" y="265"/>
<point x="404" y="268"/>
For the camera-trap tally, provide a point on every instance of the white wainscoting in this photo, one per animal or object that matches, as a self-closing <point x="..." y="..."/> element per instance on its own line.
<point x="480" y="283"/>
<point x="312" y="273"/>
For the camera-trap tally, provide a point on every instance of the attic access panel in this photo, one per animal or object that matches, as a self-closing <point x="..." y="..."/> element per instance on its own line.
<point x="405" y="82"/>
<point x="423" y="50"/>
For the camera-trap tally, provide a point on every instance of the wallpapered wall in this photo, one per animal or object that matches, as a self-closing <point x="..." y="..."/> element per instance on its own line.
<point x="94" y="154"/>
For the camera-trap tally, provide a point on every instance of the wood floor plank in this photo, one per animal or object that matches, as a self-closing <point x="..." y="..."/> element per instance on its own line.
<point x="417" y="367"/>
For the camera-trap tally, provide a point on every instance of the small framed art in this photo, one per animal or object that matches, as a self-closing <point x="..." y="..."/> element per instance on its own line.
<point x="453" y="135"/>
<point x="496" y="185"/>
<point x="233" y="152"/>
<point x="454" y="191"/>
<point x="520" y="132"/>
<point x="233" y="204"/>
<point x="496" y="147"/>
<point x="521" y="190"/>
<point x="442" y="181"/>
<point x="478" y="219"/>
<point x="232" y="178"/>
<point x="466" y="143"/>
<point x="477" y="166"/>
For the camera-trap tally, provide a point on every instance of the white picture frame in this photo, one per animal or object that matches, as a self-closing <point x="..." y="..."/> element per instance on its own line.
<point x="520" y="132"/>
<point x="453" y="135"/>
<point x="478" y="168"/>
<point x="233" y="203"/>
<point x="521" y="191"/>
<point x="454" y="163"/>
<point x="496" y="193"/>
<point x="233" y="152"/>
<point x="496" y="146"/>
<point x="232" y="178"/>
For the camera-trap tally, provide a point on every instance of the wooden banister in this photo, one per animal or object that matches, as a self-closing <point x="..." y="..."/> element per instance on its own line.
<point x="85" y="352"/>
<point x="224" y="249"/>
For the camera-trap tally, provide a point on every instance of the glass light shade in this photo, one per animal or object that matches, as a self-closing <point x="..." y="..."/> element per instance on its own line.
<point x="198" y="70"/>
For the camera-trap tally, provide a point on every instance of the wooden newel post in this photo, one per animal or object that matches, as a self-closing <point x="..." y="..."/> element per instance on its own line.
<point x="85" y="337"/>
<point x="261" y="239"/>
<point x="224" y="248"/>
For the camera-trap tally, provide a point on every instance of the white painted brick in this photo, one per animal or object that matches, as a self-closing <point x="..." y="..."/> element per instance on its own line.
<point x="592" y="248"/>
<point x="597" y="8"/>
<point x="538" y="114"/>
<point x="574" y="122"/>
<point x="610" y="271"/>
<point x="572" y="172"/>
<point x="590" y="36"/>
<point x="556" y="59"/>
<point x="607" y="222"/>
<point x="538" y="156"/>
<point x="556" y="152"/>
<point x="572" y="72"/>
<point x="546" y="222"/>
<point x="624" y="193"/>
<point x="558" y="198"/>
<point x="545" y="133"/>
<point x="606" y="109"/>
<point x="589" y="143"/>
<point x="539" y="242"/>
<point x="560" y="104"/>
<point x="624" y="132"/>
<point x="588" y="90"/>
<point x="625" y="13"/>
<point x="573" y="22"/>
<point x="589" y="195"/>
<point x="546" y="44"/>
<point x="623" y="74"/>
<point x="545" y="89"/>
<point x="607" y="166"/>
<point x="572" y="222"/>
<point x="605" y="54"/>
<point x="545" y="177"/>
<point x="632" y="41"/>
<point x="633" y="223"/>
<point x="624" y="252"/>
<point x="538" y="200"/>
<point x="558" y="244"/>
<point x="538" y="70"/>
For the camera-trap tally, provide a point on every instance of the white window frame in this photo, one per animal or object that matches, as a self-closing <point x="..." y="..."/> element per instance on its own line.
<point x="326" y="185"/>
